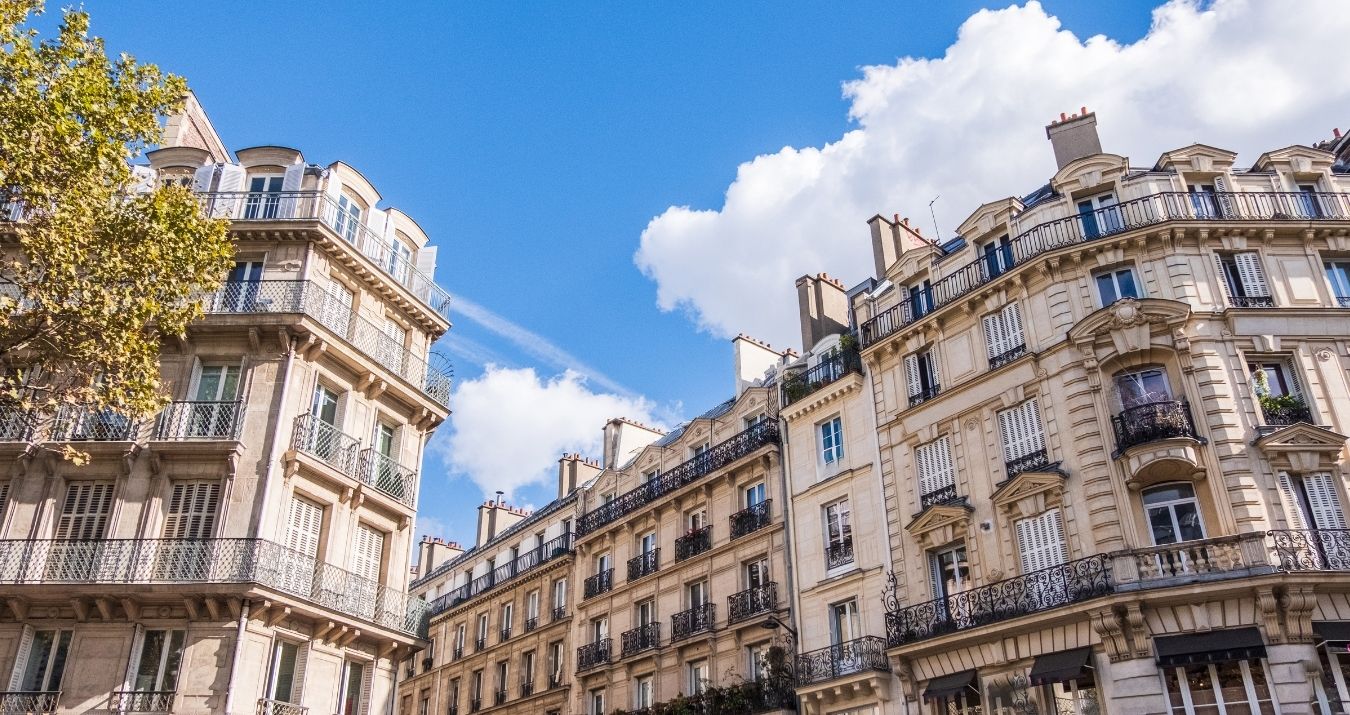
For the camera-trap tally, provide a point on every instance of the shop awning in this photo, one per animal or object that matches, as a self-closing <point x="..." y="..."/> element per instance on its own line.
<point x="1335" y="633"/>
<point x="949" y="685"/>
<point x="1212" y="647"/>
<point x="1061" y="667"/>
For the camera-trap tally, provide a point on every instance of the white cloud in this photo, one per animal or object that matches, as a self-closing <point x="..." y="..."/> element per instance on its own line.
<point x="510" y="426"/>
<point x="1243" y="75"/>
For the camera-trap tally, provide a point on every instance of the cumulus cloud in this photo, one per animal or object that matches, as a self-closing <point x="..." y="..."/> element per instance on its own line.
<point x="510" y="426"/>
<point x="1239" y="74"/>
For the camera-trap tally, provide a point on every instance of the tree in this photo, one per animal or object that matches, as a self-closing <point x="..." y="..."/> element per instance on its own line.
<point x="101" y="268"/>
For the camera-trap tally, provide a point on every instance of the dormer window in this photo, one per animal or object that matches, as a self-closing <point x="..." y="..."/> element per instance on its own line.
<point x="400" y="260"/>
<point x="1100" y="215"/>
<point x="1203" y="200"/>
<point x="997" y="256"/>
<point x="920" y="300"/>
<point x="348" y="218"/>
<point x="1310" y="201"/>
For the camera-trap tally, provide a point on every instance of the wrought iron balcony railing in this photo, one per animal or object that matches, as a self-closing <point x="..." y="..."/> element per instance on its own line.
<point x="326" y="443"/>
<point x="696" y="541"/>
<point x="335" y="314"/>
<point x="1007" y="356"/>
<point x="1312" y="549"/>
<point x="747" y="698"/>
<point x="941" y="495"/>
<point x="859" y="655"/>
<point x="531" y="623"/>
<point x="315" y="205"/>
<point x="475" y="704"/>
<point x="267" y="706"/>
<point x="839" y="553"/>
<point x="797" y="385"/>
<point x="598" y="584"/>
<point x="526" y="687"/>
<point x="751" y="519"/>
<point x="752" y="602"/>
<point x="29" y="702"/>
<point x="198" y="419"/>
<point x="480" y="644"/>
<point x="125" y="702"/>
<point x="77" y="423"/>
<point x="1145" y="211"/>
<point x="644" y="564"/>
<point x="387" y="475"/>
<point x="641" y="638"/>
<point x="1280" y="412"/>
<point x="499" y="697"/>
<point x="1151" y="422"/>
<point x="924" y="394"/>
<point x="179" y="561"/>
<point x="505" y="634"/>
<point x="16" y="424"/>
<point x="695" y="620"/>
<point x="593" y="654"/>
<point x="722" y="454"/>
<point x="1251" y="301"/>
<point x="559" y="613"/>
<point x="1029" y="462"/>
<point x="549" y="550"/>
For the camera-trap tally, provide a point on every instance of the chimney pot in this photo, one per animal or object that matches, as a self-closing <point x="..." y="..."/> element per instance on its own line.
<point x="1083" y="110"/>
<point x="1063" y="117"/>
<point x="1336" y="132"/>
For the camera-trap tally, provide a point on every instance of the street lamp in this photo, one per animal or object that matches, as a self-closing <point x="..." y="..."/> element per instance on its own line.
<point x="773" y="623"/>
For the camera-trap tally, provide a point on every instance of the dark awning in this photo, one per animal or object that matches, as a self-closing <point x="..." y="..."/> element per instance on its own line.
<point x="1061" y="667"/>
<point x="949" y="685"/>
<point x="1335" y="633"/>
<point x="1212" y="647"/>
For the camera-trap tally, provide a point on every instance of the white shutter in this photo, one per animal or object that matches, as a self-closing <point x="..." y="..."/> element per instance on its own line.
<point x="912" y="374"/>
<point x="133" y="659"/>
<point x="21" y="659"/>
<point x="377" y="221"/>
<point x="1251" y="274"/>
<point x="367" y="681"/>
<point x="931" y="357"/>
<point x="1012" y="326"/>
<point x="292" y="206"/>
<point x="1040" y="541"/>
<point x="1293" y="508"/>
<point x="367" y="553"/>
<point x="935" y="465"/>
<point x="306" y="521"/>
<point x="298" y="680"/>
<point x="194" y="379"/>
<point x="231" y="180"/>
<point x="1326" y="506"/>
<point x="201" y="178"/>
<point x="995" y="341"/>
<point x="192" y="510"/>
<point x="144" y="180"/>
<point x="1223" y="279"/>
<point x="935" y="575"/>
<point x="294" y="178"/>
<point x="1021" y="429"/>
<point x="84" y="515"/>
<point x="426" y="261"/>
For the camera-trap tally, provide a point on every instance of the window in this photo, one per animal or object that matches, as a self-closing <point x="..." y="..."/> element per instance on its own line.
<point x="761" y="418"/>
<point x="476" y="691"/>
<point x="559" y="596"/>
<point x="1273" y="379"/>
<point x="646" y="612"/>
<point x="41" y="660"/>
<point x="261" y="203"/>
<point x="1338" y="275"/>
<point x="288" y="671"/>
<point x="832" y="440"/>
<point x="838" y="535"/>
<point x="1310" y="202"/>
<point x="756" y="572"/>
<point x="1023" y="437"/>
<point x="757" y="662"/>
<point x="527" y="672"/>
<point x="192" y="510"/>
<point x="845" y="624"/>
<point x="1142" y="387"/>
<point x="482" y="631"/>
<point x="698" y="677"/>
<point x="367" y="553"/>
<point x="85" y="511"/>
<point x="599" y="629"/>
<point x="1116" y="284"/>
<point x="324" y="406"/>
<point x="699" y="450"/>
<point x="642" y="692"/>
<point x="1231" y="687"/>
<point x="1203" y="200"/>
<point x="1040" y="541"/>
<point x="532" y="605"/>
<point x="454" y="697"/>
<point x="213" y="412"/>
<point x="355" y="688"/>
<point x="1333" y="688"/>
<point x="460" y="635"/>
<point x="508" y="615"/>
<point x="920" y="299"/>
<point x="400" y="260"/>
<point x="1243" y="280"/>
<point x="1277" y="393"/>
<point x="937" y="477"/>
<point x="647" y="543"/>
<point x="1173" y="514"/>
<point x="503" y="675"/>
<point x="1003" y="337"/>
<point x="698" y="594"/>
<point x="596" y="702"/>
<point x="950" y="571"/>
<point x="390" y="348"/>
<point x="1099" y="215"/>
<point x="555" y="663"/>
<point x="921" y="376"/>
<point x="603" y="563"/>
<point x="348" y="218"/>
<point x="650" y="474"/>
<point x="966" y="702"/>
<point x="1311" y="502"/>
<point x="997" y="256"/>
<point x="158" y="662"/>
<point x="698" y="518"/>
<point x="754" y="495"/>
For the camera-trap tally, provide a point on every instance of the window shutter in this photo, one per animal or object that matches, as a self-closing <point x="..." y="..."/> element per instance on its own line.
<point x="1326" y="506"/>
<point x="1040" y="541"/>
<point x="931" y="357"/>
<point x="935" y="575"/>
<point x="367" y="680"/>
<point x="194" y="379"/>
<point x="1293" y="509"/>
<point x="1226" y="289"/>
<point x="367" y="553"/>
<point x="201" y="178"/>
<point x="935" y="465"/>
<point x="1007" y="427"/>
<point x="192" y="510"/>
<point x="294" y="177"/>
<point x="1251" y="274"/>
<point x="134" y="658"/>
<point x="1012" y="326"/>
<point x="21" y="659"/>
<point x="1225" y="200"/>
<point x="994" y="340"/>
<point x="305" y="523"/>
<point x="4" y="500"/>
<point x="912" y="374"/>
<point x="231" y="180"/>
<point x="298" y="680"/>
<point x="293" y="180"/>
<point x="84" y="515"/>
<point x="426" y="261"/>
<point x="1031" y="419"/>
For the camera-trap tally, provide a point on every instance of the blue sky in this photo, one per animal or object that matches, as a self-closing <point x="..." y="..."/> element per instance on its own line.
<point x="536" y="142"/>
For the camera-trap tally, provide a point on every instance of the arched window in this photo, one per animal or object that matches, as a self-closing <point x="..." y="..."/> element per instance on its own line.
<point x="1173" y="513"/>
<point x="1142" y="386"/>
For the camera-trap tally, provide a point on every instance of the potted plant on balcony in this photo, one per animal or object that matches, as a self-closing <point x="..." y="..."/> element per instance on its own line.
<point x="1277" y="409"/>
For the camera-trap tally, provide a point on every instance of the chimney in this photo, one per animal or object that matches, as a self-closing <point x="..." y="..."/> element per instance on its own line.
<point x="1074" y="137"/>
<point x="752" y="358"/>
<point x="496" y="516"/>
<point x="434" y="551"/>
<point x="573" y="471"/>
<point x="822" y="308"/>
<point x="624" y="438"/>
<point x="891" y="239"/>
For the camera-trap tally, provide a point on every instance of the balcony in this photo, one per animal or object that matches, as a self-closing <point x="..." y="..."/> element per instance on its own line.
<point x="644" y="565"/>
<point x="1007" y="356"/>
<point x="1194" y="561"/>
<point x="797" y="385"/>
<point x="559" y="613"/>
<point x="327" y="443"/>
<point x="35" y="702"/>
<point x="499" y="697"/>
<point x="1284" y="410"/>
<point x="119" y="562"/>
<point x="598" y="584"/>
<point x="548" y="551"/>
<point x="752" y="602"/>
<point x="924" y="395"/>
<point x="746" y="698"/>
<point x="1251" y="301"/>
<point x="941" y="495"/>
<point x="694" y="542"/>
<point x="751" y="519"/>
<point x="698" y="619"/>
<point x="531" y="624"/>
<point x="1077" y="229"/>
<point x="1030" y="462"/>
<point x="1151" y="422"/>
<point x="859" y="655"/>
<point x="721" y="455"/>
<point x="458" y="652"/>
<point x="16" y="425"/>
<point x="77" y="423"/>
<point x="1312" y="549"/>
<point x="593" y="654"/>
<point x="839" y="554"/>
<point x="505" y="635"/>
<point x="197" y="419"/>
<point x="314" y="300"/>
<point x="387" y="475"/>
<point x="141" y="701"/>
<point x="480" y="644"/>
<point x="242" y="206"/>
<point x="527" y="688"/>
<point x="641" y="638"/>
<point x="475" y="704"/>
<point x="267" y="706"/>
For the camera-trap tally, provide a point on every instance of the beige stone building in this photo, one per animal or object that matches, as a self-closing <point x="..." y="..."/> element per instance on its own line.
<point x="682" y="554"/>
<point x="501" y="613"/>
<point x="245" y="550"/>
<point x="1111" y="425"/>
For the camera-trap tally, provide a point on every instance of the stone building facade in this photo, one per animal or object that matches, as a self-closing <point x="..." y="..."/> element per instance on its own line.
<point x="245" y="550"/>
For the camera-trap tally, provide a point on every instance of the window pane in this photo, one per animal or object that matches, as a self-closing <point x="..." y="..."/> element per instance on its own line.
<point x="152" y="651"/>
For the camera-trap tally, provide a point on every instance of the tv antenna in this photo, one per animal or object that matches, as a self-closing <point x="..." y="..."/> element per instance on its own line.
<point x="937" y="235"/>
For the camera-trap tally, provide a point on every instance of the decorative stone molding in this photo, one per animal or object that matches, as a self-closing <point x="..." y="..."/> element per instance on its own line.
<point x="824" y="396"/>
<point x="1089" y="172"/>
<point x="1106" y="622"/>
<point x="1128" y="326"/>
<point x="1030" y="493"/>
<point x="940" y="524"/>
<point x="1162" y="460"/>
<point x="1302" y="447"/>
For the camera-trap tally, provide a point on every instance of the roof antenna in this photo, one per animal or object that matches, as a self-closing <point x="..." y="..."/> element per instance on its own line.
<point x="499" y="497"/>
<point x="937" y="235"/>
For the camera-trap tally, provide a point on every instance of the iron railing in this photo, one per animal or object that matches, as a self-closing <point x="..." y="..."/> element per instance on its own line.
<point x="598" y="583"/>
<point x="593" y="654"/>
<point x="1029" y="462"/>
<point x="458" y="652"/>
<point x="1032" y="592"/>
<point x="526" y="687"/>
<point x="694" y="620"/>
<point x="1312" y="549"/>
<point x="641" y="638"/>
<point x="268" y="706"/>
<point x="559" y="613"/>
<point x="329" y="310"/>
<point x="839" y="553"/>
<point x="29" y="702"/>
<point x="315" y="205"/>
<point x="549" y="550"/>
<point x="326" y="443"/>
<point x="1072" y="230"/>
<point x="696" y="541"/>
<point x="499" y="697"/>
<point x="200" y="419"/>
<point x="831" y="368"/>
<point x="16" y="424"/>
<point x="178" y="561"/>
<point x="644" y="564"/>
<point x="475" y="704"/>
<point x="941" y="495"/>
<point x="1279" y="413"/>
<point x="505" y="634"/>
<point x="747" y="698"/>
<point x="387" y="475"/>
<point x="1251" y="301"/>
<point x="531" y="624"/>
<point x="79" y="423"/>
<point x="480" y="644"/>
<point x="125" y="702"/>
<point x="750" y="519"/>
<point x="1151" y="422"/>
<point x="752" y="602"/>
<point x="925" y="394"/>
<point x="1007" y="356"/>
<point x="721" y="455"/>
<point x="859" y="655"/>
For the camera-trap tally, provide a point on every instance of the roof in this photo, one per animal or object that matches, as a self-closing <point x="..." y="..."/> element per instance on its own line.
<point x="712" y="414"/>
<point x="506" y="535"/>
